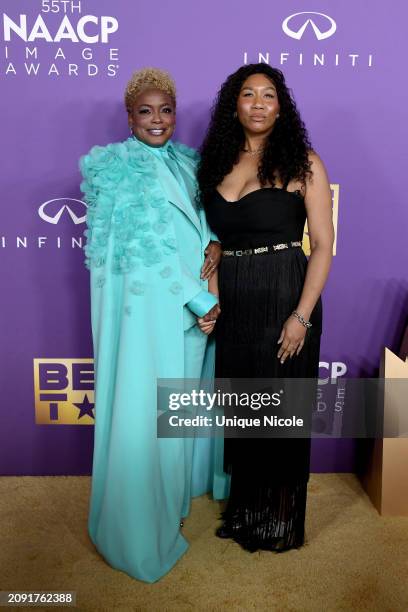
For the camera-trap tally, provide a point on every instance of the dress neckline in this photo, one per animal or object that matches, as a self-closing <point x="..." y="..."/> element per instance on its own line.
<point x="295" y="193"/>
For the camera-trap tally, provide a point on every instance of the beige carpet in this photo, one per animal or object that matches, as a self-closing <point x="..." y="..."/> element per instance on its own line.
<point x="352" y="560"/>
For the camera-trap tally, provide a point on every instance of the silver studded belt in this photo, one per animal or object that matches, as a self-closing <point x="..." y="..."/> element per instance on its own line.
<point x="263" y="249"/>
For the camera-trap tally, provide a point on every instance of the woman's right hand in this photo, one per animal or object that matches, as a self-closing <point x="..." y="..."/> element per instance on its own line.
<point x="207" y="322"/>
<point x="213" y="256"/>
<point x="205" y="327"/>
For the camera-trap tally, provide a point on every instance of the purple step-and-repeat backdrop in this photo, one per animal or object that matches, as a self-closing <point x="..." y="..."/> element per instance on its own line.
<point x="64" y="66"/>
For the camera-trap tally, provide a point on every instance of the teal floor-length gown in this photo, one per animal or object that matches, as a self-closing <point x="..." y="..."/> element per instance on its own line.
<point x="145" y="248"/>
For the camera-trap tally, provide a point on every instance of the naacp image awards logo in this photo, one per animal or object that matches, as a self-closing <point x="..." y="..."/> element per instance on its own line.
<point x="59" y="38"/>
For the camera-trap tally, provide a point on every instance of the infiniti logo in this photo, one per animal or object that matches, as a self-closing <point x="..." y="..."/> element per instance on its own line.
<point x="52" y="211"/>
<point x="320" y="34"/>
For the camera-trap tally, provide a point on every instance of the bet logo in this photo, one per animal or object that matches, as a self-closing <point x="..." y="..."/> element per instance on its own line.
<point x="64" y="391"/>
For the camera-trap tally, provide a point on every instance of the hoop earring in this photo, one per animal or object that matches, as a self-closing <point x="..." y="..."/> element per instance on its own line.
<point x="131" y="130"/>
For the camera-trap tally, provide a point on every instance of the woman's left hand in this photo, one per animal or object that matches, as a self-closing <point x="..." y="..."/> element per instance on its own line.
<point x="292" y="339"/>
<point x="213" y="256"/>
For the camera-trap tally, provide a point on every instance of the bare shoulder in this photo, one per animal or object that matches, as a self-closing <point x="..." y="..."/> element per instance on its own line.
<point x="317" y="168"/>
<point x="318" y="193"/>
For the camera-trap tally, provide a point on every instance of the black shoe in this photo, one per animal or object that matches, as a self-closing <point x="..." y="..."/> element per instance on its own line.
<point x="224" y="531"/>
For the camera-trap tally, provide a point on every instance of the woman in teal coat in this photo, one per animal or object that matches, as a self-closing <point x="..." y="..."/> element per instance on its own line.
<point x="146" y="244"/>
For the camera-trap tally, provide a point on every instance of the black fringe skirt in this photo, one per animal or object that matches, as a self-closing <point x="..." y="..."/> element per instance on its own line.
<point x="266" y="507"/>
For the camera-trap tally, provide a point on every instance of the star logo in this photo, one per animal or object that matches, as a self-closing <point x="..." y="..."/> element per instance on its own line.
<point x="85" y="408"/>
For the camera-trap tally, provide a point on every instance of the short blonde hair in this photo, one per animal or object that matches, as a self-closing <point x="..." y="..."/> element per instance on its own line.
<point x="148" y="78"/>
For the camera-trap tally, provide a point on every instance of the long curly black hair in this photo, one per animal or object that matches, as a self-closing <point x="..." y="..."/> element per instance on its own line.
<point x="286" y="152"/>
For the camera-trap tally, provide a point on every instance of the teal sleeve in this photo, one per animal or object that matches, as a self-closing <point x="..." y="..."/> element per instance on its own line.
<point x="202" y="303"/>
<point x="214" y="237"/>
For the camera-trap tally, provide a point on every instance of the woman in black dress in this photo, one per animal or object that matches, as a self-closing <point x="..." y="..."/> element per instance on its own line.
<point x="259" y="181"/>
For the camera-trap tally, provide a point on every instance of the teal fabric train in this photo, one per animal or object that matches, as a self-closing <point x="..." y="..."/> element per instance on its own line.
<point x="145" y="248"/>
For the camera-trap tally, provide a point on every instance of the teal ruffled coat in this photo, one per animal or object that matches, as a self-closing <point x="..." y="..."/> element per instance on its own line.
<point x="145" y="248"/>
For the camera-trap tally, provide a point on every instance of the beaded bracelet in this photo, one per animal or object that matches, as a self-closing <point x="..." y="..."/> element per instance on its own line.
<point x="301" y="319"/>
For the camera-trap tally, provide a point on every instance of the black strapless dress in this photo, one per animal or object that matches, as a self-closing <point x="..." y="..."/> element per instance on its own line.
<point x="266" y="507"/>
